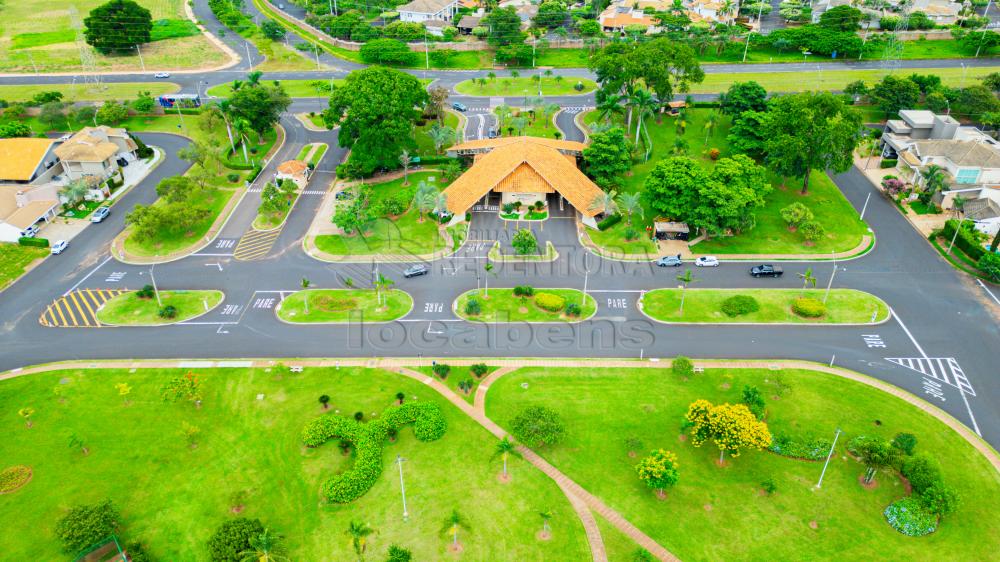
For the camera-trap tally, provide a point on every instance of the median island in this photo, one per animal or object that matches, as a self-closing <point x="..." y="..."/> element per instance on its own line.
<point x="525" y="304"/>
<point x="147" y="308"/>
<point x="329" y="306"/>
<point x="764" y="306"/>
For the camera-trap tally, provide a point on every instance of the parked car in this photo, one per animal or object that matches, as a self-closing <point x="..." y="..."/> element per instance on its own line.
<point x="30" y="232"/>
<point x="162" y="75"/>
<point x="492" y="134"/>
<point x="59" y="247"/>
<point x="670" y="261"/>
<point x="100" y="214"/>
<point x="343" y="195"/>
<point x="459" y="106"/>
<point x="66" y="137"/>
<point x="416" y="270"/>
<point x="707" y="261"/>
<point x="766" y="270"/>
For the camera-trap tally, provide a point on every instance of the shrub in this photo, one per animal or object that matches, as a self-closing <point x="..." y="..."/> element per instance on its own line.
<point x="359" y="416"/>
<point x="714" y="154"/>
<point x="550" y="302"/>
<point x="136" y="552"/>
<point x="84" y="525"/>
<point x="232" y="539"/>
<point x="524" y="242"/>
<point x="940" y="499"/>
<point x="33" y="242"/>
<point x="168" y="312"/>
<point x="888" y="163"/>
<point x="810" y="448"/>
<point x="428" y="425"/>
<point x="536" y="426"/>
<point x="753" y="399"/>
<point x="769" y="486"/>
<point x="13" y="477"/>
<point x="808" y="307"/>
<point x="905" y="442"/>
<point x="922" y="471"/>
<point x="737" y="305"/>
<point x="682" y="366"/>
<point x="473" y="307"/>
<point x="967" y="240"/>
<point x="524" y="291"/>
<point x="631" y="233"/>
<point x="578" y="86"/>
<point x="609" y="221"/>
<point x="478" y="369"/>
<point x="441" y="370"/>
<point x="233" y="178"/>
<point x="146" y="292"/>
<point x="573" y="309"/>
<point x="909" y="517"/>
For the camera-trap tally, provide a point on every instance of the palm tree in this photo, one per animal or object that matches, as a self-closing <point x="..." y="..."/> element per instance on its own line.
<point x="934" y="178"/>
<point x="425" y="198"/>
<point x="515" y="74"/>
<point x="610" y="107"/>
<point x="546" y="515"/>
<point x="519" y="123"/>
<point x="711" y="123"/>
<point x="359" y="533"/>
<point x="441" y="204"/>
<point x="243" y="129"/>
<point x="645" y="104"/>
<point x="549" y="109"/>
<point x="454" y="523"/>
<point x="74" y="192"/>
<point x="503" y="113"/>
<point x="491" y="75"/>
<point x="223" y="108"/>
<point x="686" y="279"/>
<point x="605" y="203"/>
<point x="441" y="136"/>
<point x="382" y="283"/>
<point x="630" y="203"/>
<point x="506" y="449"/>
<point x="265" y="547"/>
<point x="725" y="9"/>
<point x="808" y="278"/>
<point x="404" y="161"/>
<point x="253" y="78"/>
<point x="488" y="267"/>
<point x="305" y="298"/>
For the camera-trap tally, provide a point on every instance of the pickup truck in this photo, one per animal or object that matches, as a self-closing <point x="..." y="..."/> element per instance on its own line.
<point x="766" y="271"/>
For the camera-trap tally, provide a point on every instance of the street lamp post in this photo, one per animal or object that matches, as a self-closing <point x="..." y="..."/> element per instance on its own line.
<point x="402" y="486"/>
<point x="155" y="290"/>
<point x="827" y="463"/>
<point x="955" y="236"/>
<point x="832" y="274"/>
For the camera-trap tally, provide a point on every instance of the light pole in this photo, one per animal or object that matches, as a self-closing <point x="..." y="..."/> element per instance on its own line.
<point x="955" y="236"/>
<point x="402" y="486"/>
<point x="830" y="454"/>
<point x="983" y="36"/>
<point x="760" y="27"/>
<point x="155" y="290"/>
<point x="832" y="274"/>
<point x="139" y="51"/>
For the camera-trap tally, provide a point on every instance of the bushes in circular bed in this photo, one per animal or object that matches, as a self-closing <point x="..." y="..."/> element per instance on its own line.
<point x="738" y="305"/>
<point x="909" y="517"/>
<point x="808" y="307"/>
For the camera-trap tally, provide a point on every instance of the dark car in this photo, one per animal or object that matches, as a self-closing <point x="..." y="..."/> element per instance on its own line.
<point x="766" y="271"/>
<point x="416" y="270"/>
<point x="670" y="261"/>
<point x="459" y="106"/>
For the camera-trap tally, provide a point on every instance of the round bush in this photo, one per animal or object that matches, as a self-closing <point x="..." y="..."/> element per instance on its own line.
<point x="808" y="307"/>
<point x="738" y="305"/>
<point x="232" y="539"/>
<point x="573" y="309"/>
<point x="550" y="302"/>
<point x="682" y="367"/>
<point x="169" y="311"/>
<point x="479" y="369"/>
<point x="473" y="307"/>
<point x="13" y="477"/>
<point x="910" y="518"/>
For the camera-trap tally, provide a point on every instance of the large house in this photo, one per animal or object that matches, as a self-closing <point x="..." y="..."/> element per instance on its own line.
<point x="524" y="169"/>
<point x="420" y="11"/>
<point x="621" y="14"/>
<point x="919" y="138"/>
<point x="96" y="152"/>
<point x="22" y="162"/>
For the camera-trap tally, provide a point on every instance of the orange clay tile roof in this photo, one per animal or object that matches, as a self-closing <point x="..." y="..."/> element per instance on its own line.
<point x="503" y="141"/>
<point x="20" y="157"/>
<point x="622" y="20"/>
<point x="535" y="161"/>
<point x="293" y="167"/>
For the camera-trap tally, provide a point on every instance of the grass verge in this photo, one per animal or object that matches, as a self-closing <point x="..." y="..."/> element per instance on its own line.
<point x="500" y="305"/>
<point x="343" y="305"/>
<point x="125" y="91"/>
<point x="15" y="259"/>
<point x="843" y="306"/>
<point x="526" y="86"/>
<point x="457" y="375"/>
<point x="128" y="309"/>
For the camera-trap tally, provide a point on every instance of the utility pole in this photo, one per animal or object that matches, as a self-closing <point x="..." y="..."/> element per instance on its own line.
<point x="139" y="51"/>
<point x="583" y="300"/>
<point x="155" y="290"/>
<point x="865" y="207"/>
<point x="760" y="26"/>
<point x="402" y="486"/>
<point x="249" y="58"/>
<point x="822" y="474"/>
<point x="983" y="36"/>
<point x="955" y="236"/>
<point x="832" y="274"/>
<point x="427" y="53"/>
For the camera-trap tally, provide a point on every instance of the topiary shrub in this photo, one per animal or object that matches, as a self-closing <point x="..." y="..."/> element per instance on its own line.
<point x="808" y="307"/>
<point x="428" y="425"/>
<point x="738" y="305"/>
<point x="13" y="477"/>
<point x="473" y="307"/>
<point x="84" y="525"/>
<point x="233" y="178"/>
<point x="940" y="499"/>
<point x="146" y="292"/>
<point x="578" y="86"/>
<point x="573" y="309"/>
<point x="524" y="291"/>
<point x="441" y="370"/>
<point x="231" y="540"/>
<point x="682" y="367"/>
<point x="609" y="221"/>
<point x="909" y="517"/>
<point x="536" y="426"/>
<point x="550" y="302"/>
<point x="479" y="369"/>
<point x="168" y="312"/>
<point x="809" y="448"/>
<point x="923" y="471"/>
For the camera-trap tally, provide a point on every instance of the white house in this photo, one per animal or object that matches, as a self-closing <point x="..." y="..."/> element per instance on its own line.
<point x="15" y="218"/>
<point x="420" y="11"/>
<point x="95" y="151"/>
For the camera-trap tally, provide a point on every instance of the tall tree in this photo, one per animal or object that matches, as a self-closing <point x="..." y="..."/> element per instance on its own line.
<point x="261" y="105"/>
<point x="893" y="94"/>
<point x="376" y="109"/>
<point x="731" y="426"/>
<point x="505" y="449"/>
<point x="810" y="131"/>
<point x="608" y="158"/>
<point x="662" y="65"/>
<point x="117" y="27"/>
<point x="504" y="27"/>
<point x="630" y="204"/>
<point x="742" y="97"/>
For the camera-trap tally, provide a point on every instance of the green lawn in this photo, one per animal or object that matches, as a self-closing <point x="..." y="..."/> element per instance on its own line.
<point x="455" y="376"/>
<point x="526" y="86"/>
<point x="14" y="258"/>
<point x="281" y="58"/>
<point x="425" y="146"/>
<point x="212" y="199"/>
<point x="318" y="154"/>
<point x="294" y="88"/>
<point x="128" y="309"/>
<point x="266" y="220"/>
<point x="921" y="209"/>
<point x="344" y="305"/>
<point x="613" y="240"/>
<point x="823" y="78"/>
<point x="500" y="305"/>
<point x="173" y="497"/>
<point x="124" y="91"/>
<point x="844" y="227"/>
<point x="719" y="513"/>
<point x="704" y="305"/>
<point x="539" y="126"/>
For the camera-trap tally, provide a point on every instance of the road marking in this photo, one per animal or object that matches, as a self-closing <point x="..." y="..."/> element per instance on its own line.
<point x="618" y="303"/>
<point x="908" y="334"/>
<point x="264" y="303"/>
<point x="92" y="271"/>
<point x="933" y="388"/>
<point x="115" y="277"/>
<point x="225" y="243"/>
<point x="255" y="244"/>
<point x="873" y="340"/>
<point x="944" y="369"/>
<point x="231" y="309"/>
<point x="77" y="309"/>
<point x="994" y="297"/>
<point x="433" y="307"/>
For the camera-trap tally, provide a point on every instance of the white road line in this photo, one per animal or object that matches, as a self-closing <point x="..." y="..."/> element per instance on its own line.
<point x="92" y="271"/>
<point x="975" y="426"/>
<point x="615" y="291"/>
<point x="994" y="297"/>
<point x="214" y="255"/>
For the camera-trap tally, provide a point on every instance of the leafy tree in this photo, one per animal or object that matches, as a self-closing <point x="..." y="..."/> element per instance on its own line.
<point x="661" y="65"/>
<point x="551" y="14"/>
<point x="260" y="105"/>
<point x="754" y="400"/>
<point x="742" y="97"/>
<point x="642" y="555"/>
<point x="232" y="539"/>
<point x="84" y="525"/>
<point x="608" y="157"/>
<point x="356" y="216"/>
<point x="398" y="554"/>
<point x="810" y="131"/>
<point x="74" y="192"/>
<point x="745" y="134"/>
<point x="505" y="449"/>
<point x="975" y="100"/>
<point x="876" y="453"/>
<point x="14" y="129"/>
<point x="436" y="98"/>
<point x="893" y="94"/>
<point x="441" y="136"/>
<point x="841" y="18"/>
<point x="796" y="214"/>
<point x="658" y="470"/>
<point x="52" y="113"/>
<point x="991" y="81"/>
<point x="940" y="499"/>
<point x="989" y="264"/>
<point x="117" y="26"/>
<point x="682" y="366"/>
<point x="731" y="426"/>
<point x="112" y="113"/>
<point x="387" y="51"/>
<point x="143" y="103"/>
<point x="905" y="442"/>
<point x="504" y="27"/>
<point x="376" y="112"/>
<point x="187" y="387"/>
<point x="359" y="533"/>
<point x="672" y="186"/>
<point x="524" y="242"/>
<point x="938" y="103"/>
<point x="265" y="547"/>
<point x="858" y="88"/>
<point x="536" y="426"/>
<point x="272" y="30"/>
<point x="926" y="82"/>
<point x="812" y="230"/>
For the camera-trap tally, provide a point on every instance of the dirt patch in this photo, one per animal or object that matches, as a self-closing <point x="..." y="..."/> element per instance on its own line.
<point x="906" y="484"/>
<point x="661" y="495"/>
<point x="334" y="304"/>
<point x="813" y="524"/>
<point x="870" y="485"/>
<point x="721" y="463"/>
<point x="632" y="454"/>
<point x="503" y="478"/>
<point x="682" y="438"/>
<point x="522" y="310"/>
<point x="237" y="509"/>
<point x="725" y="386"/>
<point x="455" y="547"/>
<point x="543" y="535"/>
<point x="708" y="507"/>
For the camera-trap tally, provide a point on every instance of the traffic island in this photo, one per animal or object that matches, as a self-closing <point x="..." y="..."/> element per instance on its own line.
<point x="147" y="308"/>
<point x="763" y="306"/>
<point x="525" y="304"/>
<point x="335" y="306"/>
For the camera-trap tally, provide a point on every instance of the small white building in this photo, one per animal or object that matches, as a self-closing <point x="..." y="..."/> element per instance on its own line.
<point x="420" y="11"/>
<point x="295" y="170"/>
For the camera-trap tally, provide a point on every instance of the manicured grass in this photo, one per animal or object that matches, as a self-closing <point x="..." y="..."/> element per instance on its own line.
<point x="525" y="86"/>
<point x="212" y="199"/>
<point x="172" y="29"/>
<point x="344" y="305"/>
<point x="548" y="254"/>
<point x="457" y="375"/>
<point x="281" y="58"/>
<point x="128" y="309"/>
<point x="704" y="305"/>
<point x="294" y="88"/>
<point x="425" y="146"/>
<point x="718" y="513"/>
<point x="500" y="305"/>
<point x="613" y="240"/>
<point x="921" y="209"/>
<point x="271" y="219"/>
<point x="318" y="154"/>
<point x="535" y="126"/>
<point x="125" y="91"/>
<point x="14" y="258"/>
<point x="173" y="497"/>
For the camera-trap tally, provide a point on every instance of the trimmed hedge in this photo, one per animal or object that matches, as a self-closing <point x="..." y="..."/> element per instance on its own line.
<point x="609" y="221"/>
<point x="888" y="163"/>
<point x="550" y="302"/>
<point x="428" y="425"/>
<point x="808" y="307"/>
<point x="812" y="448"/>
<point x="33" y="242"/>
<point x="966" y="240"/>
<point x="524" y="291"/>
<point x="738" y="305"/>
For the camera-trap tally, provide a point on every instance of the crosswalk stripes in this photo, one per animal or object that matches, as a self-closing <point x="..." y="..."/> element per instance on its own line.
<point x="574" y="110"/>
<point x="944" y="369"/>
<point x="255" y="244"/>
<point x="78" y="309"/>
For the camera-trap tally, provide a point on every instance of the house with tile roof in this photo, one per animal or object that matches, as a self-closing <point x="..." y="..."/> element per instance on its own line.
<point x="24" y="160"/>
<point x="524" y="169"/>
<point x="420" y="11"/>
<point x="96" y="152"/>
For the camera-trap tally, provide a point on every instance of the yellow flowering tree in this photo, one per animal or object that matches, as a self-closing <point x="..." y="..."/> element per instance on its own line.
<point x="658" y="470"/>
<point x="731" y="426"/>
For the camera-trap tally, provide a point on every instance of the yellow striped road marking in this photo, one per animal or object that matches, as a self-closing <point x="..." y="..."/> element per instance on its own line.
<point x="77" y="309"/>
<point x="86" y="314"/>
<point x="255" y="244"/>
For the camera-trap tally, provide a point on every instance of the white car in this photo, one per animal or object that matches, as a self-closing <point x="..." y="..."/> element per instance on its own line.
<point x="162" y="75"/>
<point x="707" y="261"/>
<point x="59" y="247"/>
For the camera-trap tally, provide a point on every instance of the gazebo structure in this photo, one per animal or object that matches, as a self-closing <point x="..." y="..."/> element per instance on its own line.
<point x="525" y="169"/>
